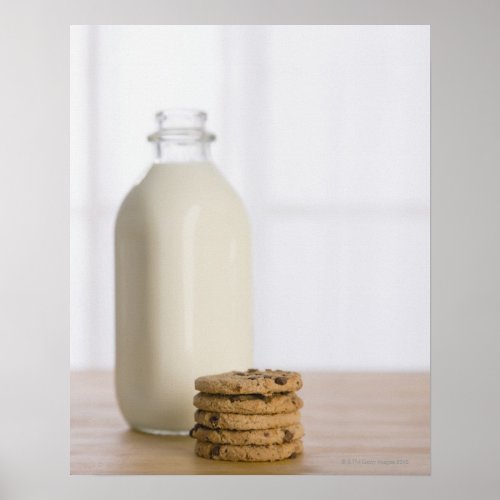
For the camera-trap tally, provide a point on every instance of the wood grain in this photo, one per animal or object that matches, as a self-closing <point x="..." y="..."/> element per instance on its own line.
<point x="355" y="423"/>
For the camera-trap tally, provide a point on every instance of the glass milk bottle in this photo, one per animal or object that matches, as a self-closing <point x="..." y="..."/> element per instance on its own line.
<point x="183" y="279"/>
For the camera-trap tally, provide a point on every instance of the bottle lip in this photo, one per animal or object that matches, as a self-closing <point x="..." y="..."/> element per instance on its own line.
<point x="187" y="114"/>
<point x="181" y="125"/>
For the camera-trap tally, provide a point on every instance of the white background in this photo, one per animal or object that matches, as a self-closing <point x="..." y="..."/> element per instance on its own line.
<point x="323" y="130"/>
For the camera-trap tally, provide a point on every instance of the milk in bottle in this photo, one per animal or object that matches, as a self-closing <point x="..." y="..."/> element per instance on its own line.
<point x="183" y="279"/>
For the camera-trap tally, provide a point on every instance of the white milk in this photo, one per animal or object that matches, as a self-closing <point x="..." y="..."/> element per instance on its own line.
<point x="183" y="292"/>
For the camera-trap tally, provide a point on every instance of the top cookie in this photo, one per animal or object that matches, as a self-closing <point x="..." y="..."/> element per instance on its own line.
<point x="252" y="381"/>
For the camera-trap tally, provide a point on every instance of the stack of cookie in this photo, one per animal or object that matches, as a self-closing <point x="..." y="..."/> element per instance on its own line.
<point x="250" y="416"/>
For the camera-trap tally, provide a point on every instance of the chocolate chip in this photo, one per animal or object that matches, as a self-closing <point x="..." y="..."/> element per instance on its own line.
<point x="293" y="455"/>
<point x="252" y="370"/>
<point x="288" y="436"/>
<point x="215" y="451"/>
<point x="267" y="376"/>
<point x="266" y="434"/>
<point x="247" y="397"/>
<point x="214" y="419"/>
<point x="280" y="380"/>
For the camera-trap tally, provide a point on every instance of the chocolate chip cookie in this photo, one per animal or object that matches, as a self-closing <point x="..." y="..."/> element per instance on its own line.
<point x="251" y="381"/>
<point x="263" y="437"/>
<point x="249" y="453"/>
<point x="248" y="404"/>
<point x="236" y="421"/>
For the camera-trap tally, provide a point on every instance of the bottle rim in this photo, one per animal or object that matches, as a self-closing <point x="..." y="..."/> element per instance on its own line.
<point x="181" y="125"/>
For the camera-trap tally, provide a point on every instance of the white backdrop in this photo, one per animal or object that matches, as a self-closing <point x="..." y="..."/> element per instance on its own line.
<point x="323" y="130"/>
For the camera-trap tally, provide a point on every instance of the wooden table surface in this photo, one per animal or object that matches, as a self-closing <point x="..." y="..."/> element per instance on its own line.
<point x="355" y="423"/>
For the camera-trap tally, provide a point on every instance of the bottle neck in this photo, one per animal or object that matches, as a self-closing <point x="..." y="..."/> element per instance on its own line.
<point x="168" y="151"/>
<point x="181" y="137"/>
